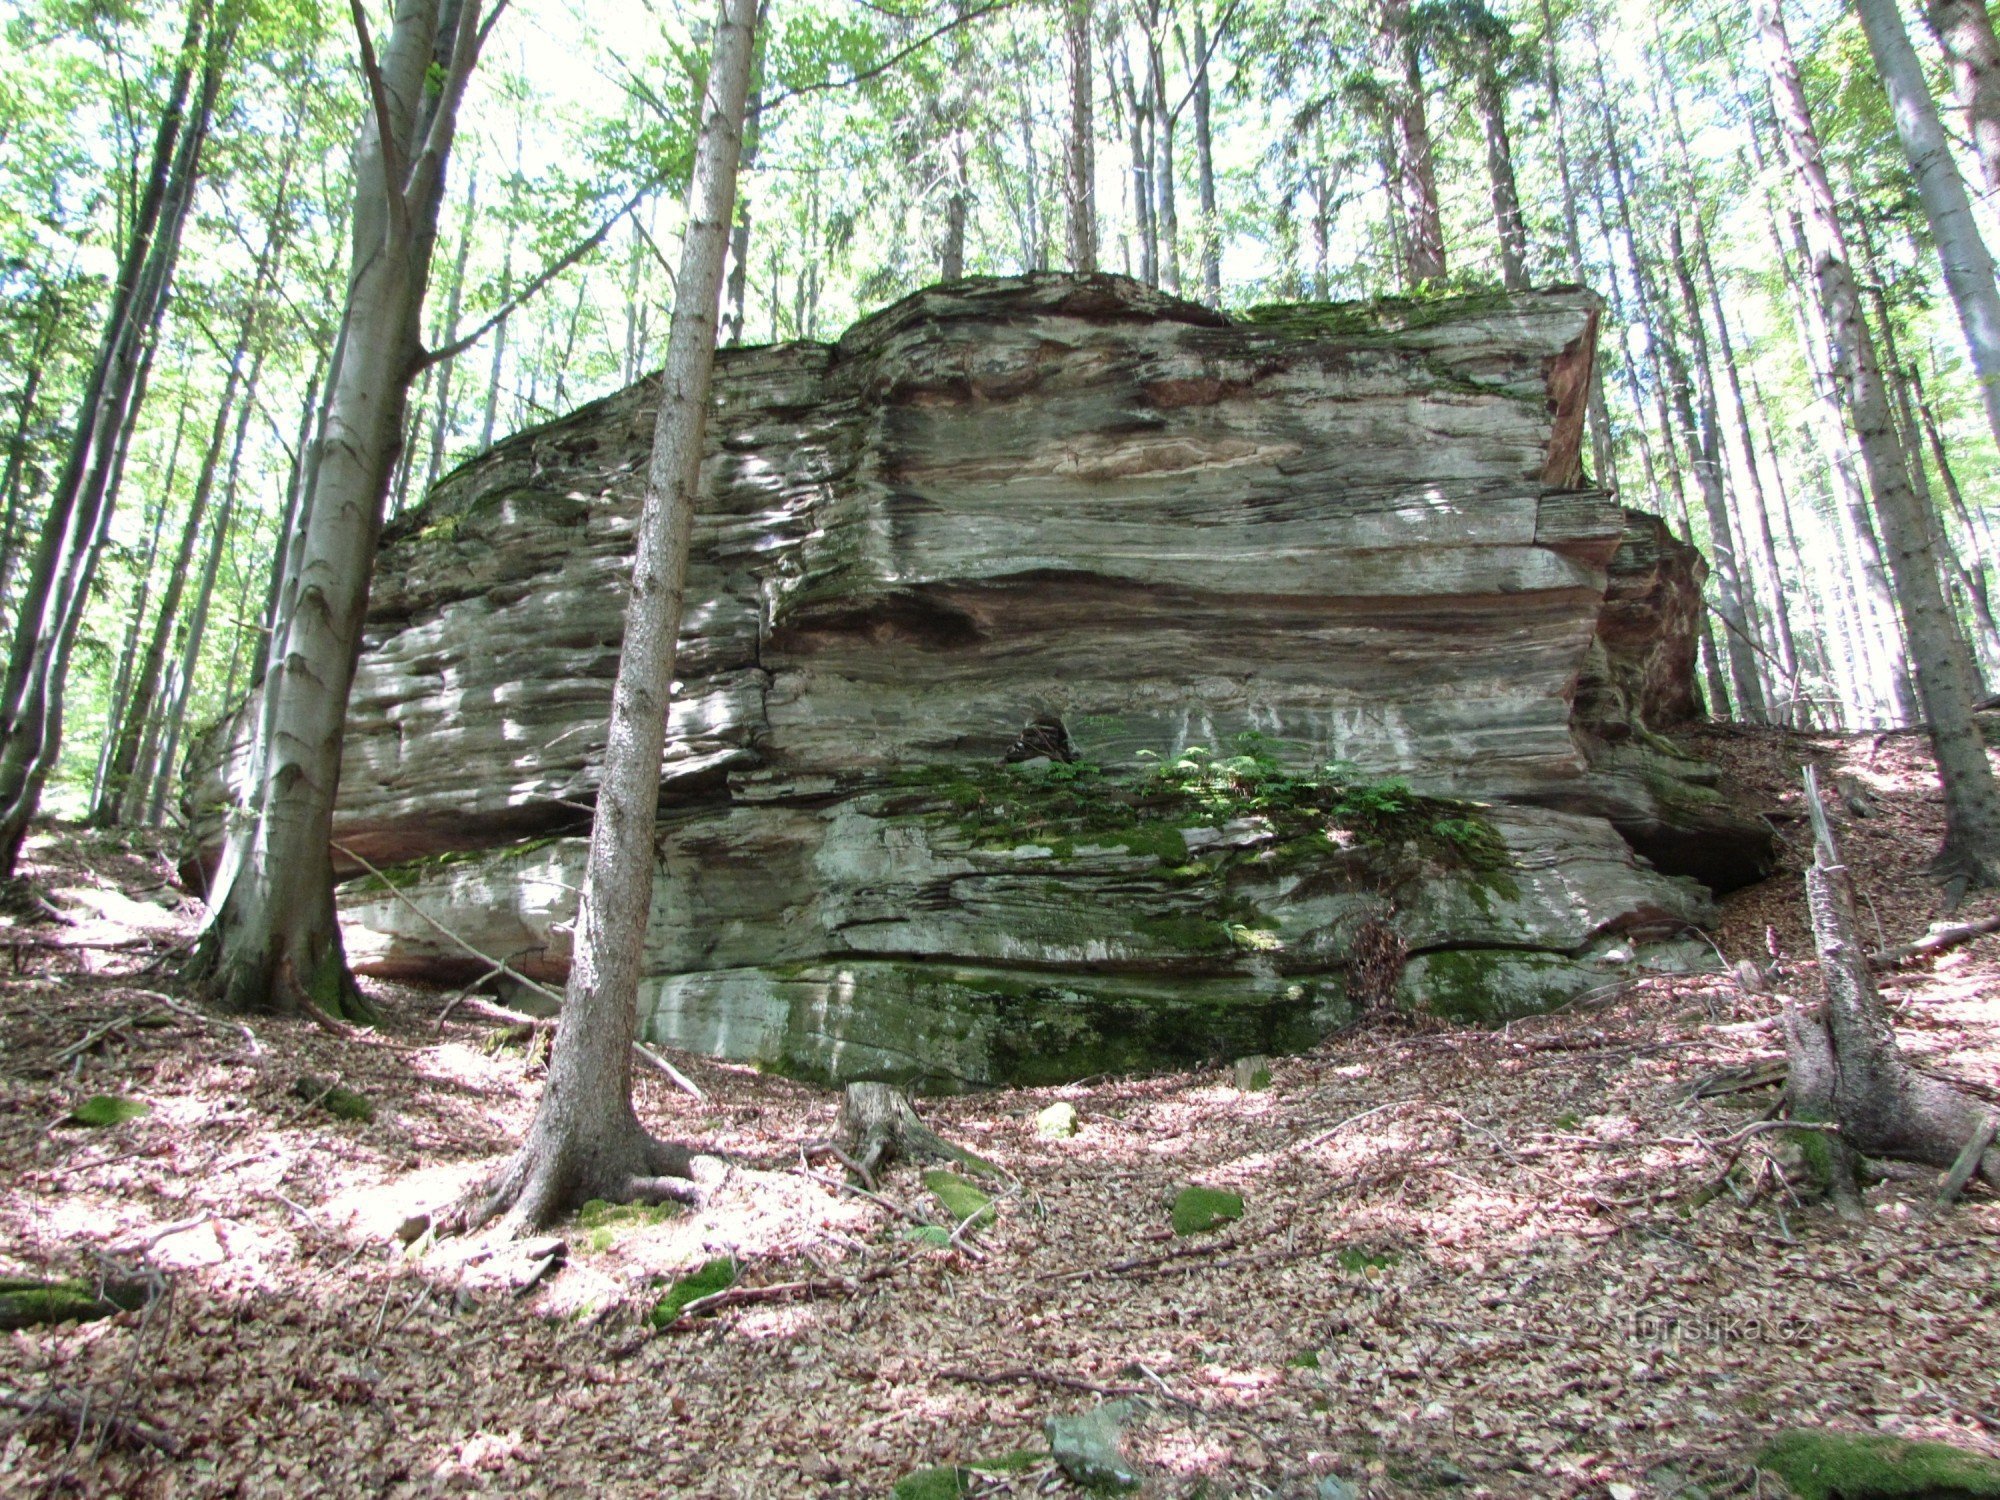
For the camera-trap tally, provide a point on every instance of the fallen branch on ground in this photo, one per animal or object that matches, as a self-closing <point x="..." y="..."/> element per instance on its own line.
<point x="1025" y="1376"/>
<point x="74" y="1408"/>
<point x="1933" y="943"/>
<point x="782" y="1291"/>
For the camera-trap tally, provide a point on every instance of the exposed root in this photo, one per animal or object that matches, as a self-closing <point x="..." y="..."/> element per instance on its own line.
<point x="877" y="1124"/>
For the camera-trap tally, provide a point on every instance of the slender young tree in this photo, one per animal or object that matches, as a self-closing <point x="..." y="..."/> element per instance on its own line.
<point x="271" y="941"/>
<point x="586" y="1141"/>
<point x="78" y="519"/>
<point x="1971" y="851"/>
<point x="1079" y="156"/>
<point x="1968" y="268"/>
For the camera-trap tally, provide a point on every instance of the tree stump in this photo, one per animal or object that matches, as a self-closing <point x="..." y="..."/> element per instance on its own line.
<point x="1844" y="1067"/>
<point x="877" y="1124"/>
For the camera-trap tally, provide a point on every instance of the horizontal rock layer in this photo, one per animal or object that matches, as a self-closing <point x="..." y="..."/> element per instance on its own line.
<point x="1005" y="506"/>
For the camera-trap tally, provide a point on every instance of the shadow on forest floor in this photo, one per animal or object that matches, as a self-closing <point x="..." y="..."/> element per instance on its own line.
<point x="1468" y="1260"/>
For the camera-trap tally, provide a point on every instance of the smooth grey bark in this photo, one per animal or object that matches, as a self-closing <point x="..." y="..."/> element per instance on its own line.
<point x="739" y="236"/>
<point x="111" y="805"/>
<point x="1165" y="189"/>
<point x="585" y="1140"/>
<point x="1964" y="28"/>
<point x="1701" y="415"/>
<point x="13" y="485"/>
<point x="80" y="509"/>
<point x="1962" y="253"/>
<point x="1204" y="159"/>
<point x="271" y="941"/>
<point x="1079" y="155"/>
<point x="1971" y="851"/>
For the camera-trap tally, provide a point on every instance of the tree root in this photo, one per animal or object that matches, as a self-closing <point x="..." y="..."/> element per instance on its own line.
<point x="542" y="1182"/>
<point x="877" y="1125"/>
<point x="76" y="1410"/>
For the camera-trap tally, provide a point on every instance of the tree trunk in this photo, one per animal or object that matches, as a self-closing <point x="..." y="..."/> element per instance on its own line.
<point x="1882" y="1106"/>
<point x="1600" y="416"/>
<point x="1968" y="268"/>
<point x="455" y="298"/>
<point x="1491" y="101"/>
<point x="1704" y="431"/>
<point x="1423" y="225"/>
<point x="585" y="1140"/>
<point x="1167" y="216"/>
<point x="1204" y="160"/>
<point x="271" y="941"/>
<point x="80" y="509"/>
<point x="1080" y="159"/>
<point x="1971" y="852"/>
<point x="111" y="806"/>
<point x="1965" y="31"/>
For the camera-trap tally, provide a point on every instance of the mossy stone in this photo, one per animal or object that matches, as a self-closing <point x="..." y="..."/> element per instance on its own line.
<point x="1817" y="1465"/>
<point x="27" y="1303"/>
<point x="961" y="1199"/>
<point x="717" y="1275"/>
<point x="1199" y="1209"/>
<point x="341" y="1103"/>
<point x="604" y="1222"/>
<point x="101" y="1111"/>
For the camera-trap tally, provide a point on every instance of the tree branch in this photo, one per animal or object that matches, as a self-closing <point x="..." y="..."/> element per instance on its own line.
<point x="893" y="61"/>
<point x="378" y="98"/>
<point x="547" y="274"/>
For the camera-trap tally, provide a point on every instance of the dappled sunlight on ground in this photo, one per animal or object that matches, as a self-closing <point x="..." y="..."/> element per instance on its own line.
<point x="1471" y="1261"/>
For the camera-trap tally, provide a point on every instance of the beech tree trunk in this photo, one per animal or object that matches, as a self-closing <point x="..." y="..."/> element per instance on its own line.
<point x="1971" y="851"/>
<point x="585" y="1141"/>
<point x="1600" y="416"/>
<point x="1204" y="161"/>
<point x="271" y="942"/>
<point x="80" y="508"/>
<point x="1965" y="30"/>
<point x="1080" y="157"/>
<point x="1968" y="268"/>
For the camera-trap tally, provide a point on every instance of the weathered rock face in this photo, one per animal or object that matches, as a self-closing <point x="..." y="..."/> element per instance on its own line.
<point x="1059" y="518"/>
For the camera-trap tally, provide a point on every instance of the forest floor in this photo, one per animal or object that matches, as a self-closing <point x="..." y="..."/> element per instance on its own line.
<point x="1471" y="1261"/>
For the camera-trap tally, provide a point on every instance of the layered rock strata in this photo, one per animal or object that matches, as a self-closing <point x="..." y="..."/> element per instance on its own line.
<point x="998" y="545"/>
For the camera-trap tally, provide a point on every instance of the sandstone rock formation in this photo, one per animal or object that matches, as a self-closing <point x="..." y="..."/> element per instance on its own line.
<point x="956" y="576"/>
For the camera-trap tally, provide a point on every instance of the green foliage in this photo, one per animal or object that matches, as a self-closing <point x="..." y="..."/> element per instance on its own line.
<point x="26" y="1302"/>
<point x="962" y="1199"/>
<point x="1198" y="1209"/>
<point x="101" y="1111"/>
<point x="717" y="1275"/>
<point x="1819" y="1465"/>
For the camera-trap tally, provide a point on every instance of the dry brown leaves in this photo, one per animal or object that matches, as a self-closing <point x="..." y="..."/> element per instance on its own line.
<point x="1469" y="1260"/>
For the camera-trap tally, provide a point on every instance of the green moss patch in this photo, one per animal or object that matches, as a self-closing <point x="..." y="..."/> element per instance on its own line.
<point x="341" y="1103"/>
<point x="717" y="1275"/>
<point x="1199" y="1209"/>
<point x="961" y="1199"/>
<point x="931" y="1484"/>
<point x="1819" y="1465"/>
<point x="101" y="1111"/>
<point x="604" y="1223"/>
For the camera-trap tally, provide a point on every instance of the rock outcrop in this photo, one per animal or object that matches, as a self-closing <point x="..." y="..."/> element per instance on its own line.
<point x="956" y="577"/>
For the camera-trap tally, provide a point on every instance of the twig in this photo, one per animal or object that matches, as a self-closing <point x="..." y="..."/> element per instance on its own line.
<point x="165" y="1231"/>
<point x="92" y="1037"/>
<point x="739" y="1296"/>
<point x="182" y="1008"/>
<point x="1333" y="1130"/>
<point x="1934" y="942"/>
<point x="1141" y="1262"/>
<point x="681" y="1081"/>
<point x="1968" y="1159"/>
<point x="74" y="1407"/>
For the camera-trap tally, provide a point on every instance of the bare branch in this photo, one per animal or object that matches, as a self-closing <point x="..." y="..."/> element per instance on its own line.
<point x="378" y="97"/>
<point x="547" y="274"/>
<point x="892" y="62"/>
